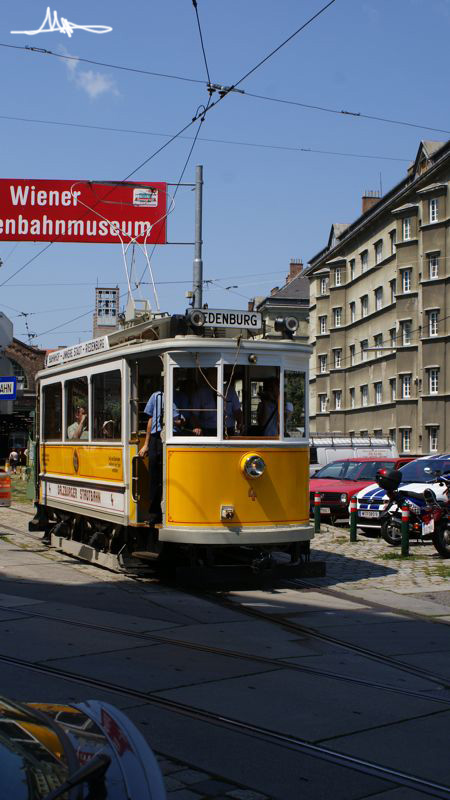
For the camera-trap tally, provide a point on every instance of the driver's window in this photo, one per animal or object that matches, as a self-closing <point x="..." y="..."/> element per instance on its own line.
<point x="195" y="397"/>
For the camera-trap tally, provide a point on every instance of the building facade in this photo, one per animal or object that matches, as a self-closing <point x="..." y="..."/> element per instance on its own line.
<point x="379" y="314"/>
<point x="290" y="300"/>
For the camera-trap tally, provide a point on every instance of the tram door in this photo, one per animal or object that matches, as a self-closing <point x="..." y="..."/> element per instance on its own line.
<point x="146" y="377"/>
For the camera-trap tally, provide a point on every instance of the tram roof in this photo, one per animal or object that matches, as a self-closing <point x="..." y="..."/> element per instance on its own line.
<point x="149" y="336"/>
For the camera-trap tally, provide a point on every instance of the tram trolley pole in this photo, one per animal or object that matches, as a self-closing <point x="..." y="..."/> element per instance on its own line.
<point x="317" y="499"/>
<point x="353" y="507"/>
<point x="405" y="532"/>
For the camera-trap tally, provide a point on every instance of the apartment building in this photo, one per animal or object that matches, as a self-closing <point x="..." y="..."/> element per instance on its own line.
<point x="379" y="314"/>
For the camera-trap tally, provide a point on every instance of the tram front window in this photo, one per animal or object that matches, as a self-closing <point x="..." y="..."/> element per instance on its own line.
<point x="294" y="404"/>
<point x="52" y="399"/>
<point x="106" y="403"/>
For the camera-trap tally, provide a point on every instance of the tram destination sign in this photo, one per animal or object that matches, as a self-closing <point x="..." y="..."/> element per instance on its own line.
<point x="82" y="211"/>
<point x="224" y="318"/>
<point x="90" y="348"/>
<point x="8" y="387"/>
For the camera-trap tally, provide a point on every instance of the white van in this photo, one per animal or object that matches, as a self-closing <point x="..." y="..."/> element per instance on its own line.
<point x="324" y="448"/>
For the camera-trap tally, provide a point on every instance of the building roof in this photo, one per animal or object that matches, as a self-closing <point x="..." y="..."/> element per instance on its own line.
<point x="295" y="291"/>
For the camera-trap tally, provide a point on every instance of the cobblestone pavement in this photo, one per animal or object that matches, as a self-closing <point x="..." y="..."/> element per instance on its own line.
<point x="370" y="563"/>
<point x="183" y="783"/>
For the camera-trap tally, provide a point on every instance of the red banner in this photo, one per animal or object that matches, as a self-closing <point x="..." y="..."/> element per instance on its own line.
<point x="81" y="211"/>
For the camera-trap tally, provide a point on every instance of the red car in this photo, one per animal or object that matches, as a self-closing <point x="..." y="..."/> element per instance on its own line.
<point x="338" y="481"/>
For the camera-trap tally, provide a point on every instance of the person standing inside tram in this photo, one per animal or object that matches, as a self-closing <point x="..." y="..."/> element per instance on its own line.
<point x="267" y="411"/>
<point x="153" y="447"/>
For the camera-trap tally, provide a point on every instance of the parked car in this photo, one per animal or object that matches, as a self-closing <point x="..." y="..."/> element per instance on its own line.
<point x="339" y="481"/>
<point x="372" y="500"/>
<point x="93" y="747"/>
<point x="325" y="448"/>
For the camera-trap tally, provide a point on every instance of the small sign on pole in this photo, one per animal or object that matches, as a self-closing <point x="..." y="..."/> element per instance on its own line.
<point x="8" y="387"/>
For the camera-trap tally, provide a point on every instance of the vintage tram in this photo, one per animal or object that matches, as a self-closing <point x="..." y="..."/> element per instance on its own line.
<point x="234" y="444"/>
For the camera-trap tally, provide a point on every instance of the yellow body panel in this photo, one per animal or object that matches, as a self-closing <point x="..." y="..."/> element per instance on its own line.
<point x="83" y="461"/>
<point x="201" y="480"/>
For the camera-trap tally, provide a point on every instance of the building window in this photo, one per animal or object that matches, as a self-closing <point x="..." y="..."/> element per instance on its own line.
<point x="364" y="305"/>
<point x="406" y="332"/>
<point x="352" y="312"/>
<point x="393" y="285"/>
<point x="352" y="355"/>
<point x="337" y="399"/>
<point x="378" y="433"/>
<point x="433" y="207"/>
<point x="406" y="440"/>
<point x="337" y="358"/>
<point x="337" y="317"/>
<point x="406" y="280"/>
<point x="378" y="252"/>
<point x="322" y="364"/>
<point x="378" y="340"/>
<point x="433" y="319"/>
<point x="323" y="286"/>
<point x="433" y="266"/>
<point x="322" y="402"/>
<point x="352" y="398"/>
<point x="378" y="393"/>
<point x="364" y="434"/>
<point x="364" y="395"/>
<point x="393" y="386"/>
<point x="433" y="435"/>
<point x="393" y="435"/>
<point x="378" y="298"/>
<point x="364" y="260"/>
<point x="433" y="381"/>
<point x="406" y="386"/>
<point x="393" y="337"/>
<point x="393" y="238"/>
<point x="352" y="269"/>
<point x="364" y="348"/>
<point x="406" y="229"/>
<point x="338" y="276"/>
<point x="19" y="372"/>
<point x="323" y="324"/>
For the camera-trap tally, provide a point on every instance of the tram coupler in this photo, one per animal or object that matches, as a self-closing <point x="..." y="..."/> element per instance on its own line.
<point x="39" y="521"/>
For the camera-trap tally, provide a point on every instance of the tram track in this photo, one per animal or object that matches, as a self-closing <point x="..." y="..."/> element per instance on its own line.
<point x="287" y="741"/>
<point x="234" y="654"/>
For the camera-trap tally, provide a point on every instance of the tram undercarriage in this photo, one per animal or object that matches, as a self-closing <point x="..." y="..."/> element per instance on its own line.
<point x="121" y="548"/>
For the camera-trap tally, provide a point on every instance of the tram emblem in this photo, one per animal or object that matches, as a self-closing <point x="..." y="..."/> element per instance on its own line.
<point x="252" y="494"/>
<point x="75" y="461"/>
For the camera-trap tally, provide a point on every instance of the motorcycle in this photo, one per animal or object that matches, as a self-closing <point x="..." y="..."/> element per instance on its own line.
<point x="428" y="511"/>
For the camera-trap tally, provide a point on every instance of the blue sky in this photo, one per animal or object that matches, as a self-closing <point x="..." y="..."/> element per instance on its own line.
<point x="262" y="205"/>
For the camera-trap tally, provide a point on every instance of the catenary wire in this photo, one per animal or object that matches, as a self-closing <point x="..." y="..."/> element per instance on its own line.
<point x="195" y="4"/>
<point x="289" y="148"/>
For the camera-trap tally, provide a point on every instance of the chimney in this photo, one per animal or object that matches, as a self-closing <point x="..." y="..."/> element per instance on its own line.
<point x="251" y="305"/>
<point x="370" y="199"/>
<point x="295" y="267"/>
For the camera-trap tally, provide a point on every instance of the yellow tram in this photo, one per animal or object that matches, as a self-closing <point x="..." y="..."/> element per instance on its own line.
<point x="235" y="443"/>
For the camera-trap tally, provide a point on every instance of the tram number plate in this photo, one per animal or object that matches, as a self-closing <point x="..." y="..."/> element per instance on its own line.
<point x="370" y="514"/>
<point x="325" y="510"/>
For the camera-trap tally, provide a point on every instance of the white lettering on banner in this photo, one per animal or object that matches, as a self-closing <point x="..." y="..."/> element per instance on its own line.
<point x="75" y="227"/>
<point x="27" y="195"/>
<point x="77" y="351"/>
<point x="232" y="319"/>
<point x="54" y="25"/>
<point x="107" y="499"/>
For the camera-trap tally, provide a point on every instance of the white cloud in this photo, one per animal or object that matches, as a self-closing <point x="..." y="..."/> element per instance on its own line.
<point x="92" y="82"/>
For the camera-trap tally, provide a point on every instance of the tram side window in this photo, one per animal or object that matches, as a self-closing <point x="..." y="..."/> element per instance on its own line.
<point x="106" y="405"/>
<point x="294" y="404"/>
<point x="251" y="401"/>
<point x="77" y="409"/>
<point x="52" y="398"/>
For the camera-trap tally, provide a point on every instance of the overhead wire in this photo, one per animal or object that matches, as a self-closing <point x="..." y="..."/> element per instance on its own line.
<point x="195" y="4"/>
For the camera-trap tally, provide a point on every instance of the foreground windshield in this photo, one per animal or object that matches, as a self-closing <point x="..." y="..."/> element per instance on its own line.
<point x="353" y="470"/>
<point x="425" y="470"/>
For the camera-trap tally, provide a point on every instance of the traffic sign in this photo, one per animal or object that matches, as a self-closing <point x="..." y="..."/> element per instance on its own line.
<point x="8" y="387"/>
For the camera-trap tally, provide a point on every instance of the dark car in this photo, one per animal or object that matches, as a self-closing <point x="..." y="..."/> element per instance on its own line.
<point x="339" y="481"/>
<point x="93" y="747"/>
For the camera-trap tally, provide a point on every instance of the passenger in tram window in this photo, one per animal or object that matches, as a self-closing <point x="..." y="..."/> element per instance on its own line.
<point x="204" y="404"/>
<point x="108" y="429"/>
<point x="267" y="412"/>
<point x="78" y="429"/>
<point x="153" y="446"/>
<point x="233" y="411"/>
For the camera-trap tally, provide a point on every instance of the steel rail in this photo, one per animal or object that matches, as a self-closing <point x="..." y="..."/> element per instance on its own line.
<point x="288" y="741"/>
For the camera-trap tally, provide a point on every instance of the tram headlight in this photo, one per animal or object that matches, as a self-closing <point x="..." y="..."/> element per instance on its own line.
<point x="253" y="465"/>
